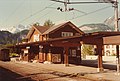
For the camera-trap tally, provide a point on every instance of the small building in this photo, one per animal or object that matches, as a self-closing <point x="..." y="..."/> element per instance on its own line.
<point x="48" y="52"/>
<point x="4" y="55"/>
<point x="62" y="44"/>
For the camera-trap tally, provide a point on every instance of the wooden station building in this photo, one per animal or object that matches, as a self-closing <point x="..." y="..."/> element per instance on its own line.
<point x="37" y="47"/>
<point x="62" y="44"/>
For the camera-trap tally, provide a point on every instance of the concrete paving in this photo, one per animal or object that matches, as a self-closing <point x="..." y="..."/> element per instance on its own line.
<point x="85" y="71"/>
<point x="89" y="72"/>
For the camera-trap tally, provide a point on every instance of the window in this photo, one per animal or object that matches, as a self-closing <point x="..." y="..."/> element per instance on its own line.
<point x="66" y="34"/>
<point x="107" y="46"/>
<point x="73" y="52"/>
<point x="36" y="37"/>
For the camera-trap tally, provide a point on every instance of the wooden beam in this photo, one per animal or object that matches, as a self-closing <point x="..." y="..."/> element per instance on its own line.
<point x="91" y="40"/>
<point x="41" y="56"/>
<point x="118" y="60"/>
<point x="64" y="44"/>
<point x="66" y="60"/>
<point x="99" y="52"/>
<point x="79" y="59"/>
<point x="112" y="40"/>
<point x="49" y="55"/>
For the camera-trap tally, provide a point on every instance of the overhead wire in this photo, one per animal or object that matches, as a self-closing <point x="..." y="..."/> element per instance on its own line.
<point x="49" y="7"/>
<point x="43" y="16"/>
<point x="80" y="11"/>
<point x="35" y="13"/>
<point x="30" y="6"/>
<point x="11" y="14"/>
<point x="90" y="12"/>
<point x="46" y="13"/>
<point x="49" y="11"/>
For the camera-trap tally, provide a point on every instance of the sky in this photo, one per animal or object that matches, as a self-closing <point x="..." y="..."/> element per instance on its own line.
<point x="27" y="12"/>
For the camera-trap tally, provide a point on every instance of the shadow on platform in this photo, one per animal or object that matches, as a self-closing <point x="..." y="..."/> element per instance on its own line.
<point x="94" y="63"/>
<point x="7" y="75"/>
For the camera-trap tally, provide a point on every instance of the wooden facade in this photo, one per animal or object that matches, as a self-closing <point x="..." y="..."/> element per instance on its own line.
<point x="52" y="52"/>
<point x="55" y="46"/>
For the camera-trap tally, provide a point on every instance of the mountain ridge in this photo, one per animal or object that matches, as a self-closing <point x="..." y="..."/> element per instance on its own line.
<point x="7" y="37"/>
<point x="89" y="28"/>
<point x="18" y="28"/>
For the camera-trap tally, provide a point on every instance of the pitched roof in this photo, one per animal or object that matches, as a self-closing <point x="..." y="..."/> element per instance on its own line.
<point x="56" y="27"/>
<point x="53" y="28"/>
<point x="46" y="30"/>
<point x="40" y="29"/>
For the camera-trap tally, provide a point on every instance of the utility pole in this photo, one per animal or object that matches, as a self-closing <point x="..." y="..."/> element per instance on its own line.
<point x="116" y="15"/>
<point x="65" y="5"/>
<point x="117" y="29"/>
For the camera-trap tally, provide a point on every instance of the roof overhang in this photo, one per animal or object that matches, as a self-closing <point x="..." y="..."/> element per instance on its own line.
<point x="95" y="38"/>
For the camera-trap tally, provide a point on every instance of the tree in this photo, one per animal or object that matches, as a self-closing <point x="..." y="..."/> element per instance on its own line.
<point x="48" y="23"/>
<point x="36" y="24"/>
<point x="87" y="50"/>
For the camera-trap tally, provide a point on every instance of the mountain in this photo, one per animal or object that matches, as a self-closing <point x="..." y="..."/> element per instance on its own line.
<point x="7" y="37"/>
<point x="110" y="22"/>
<point x="19" y="28"/>
<point x="89" y="28"/>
